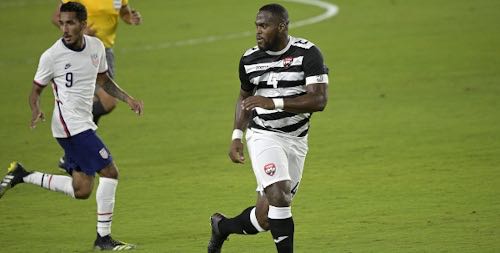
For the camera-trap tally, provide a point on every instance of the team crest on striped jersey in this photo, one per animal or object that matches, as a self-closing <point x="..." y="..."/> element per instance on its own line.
<point x="95" y="60"/>
<point x="270" y="169"/>
<point x="287" y="61"/>
<point x="104" y="153"/>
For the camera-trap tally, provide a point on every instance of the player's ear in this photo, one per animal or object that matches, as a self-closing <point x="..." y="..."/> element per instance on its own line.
<point x="83" y="24"/>
<point x="281" y="27"/>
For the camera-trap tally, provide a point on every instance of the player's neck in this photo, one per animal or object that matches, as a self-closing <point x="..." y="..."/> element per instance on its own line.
<point x="78" y="46"/>
<point x="282" y="44"/>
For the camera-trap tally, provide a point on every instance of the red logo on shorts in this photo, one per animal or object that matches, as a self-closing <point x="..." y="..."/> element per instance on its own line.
<point x="270" y="169"/>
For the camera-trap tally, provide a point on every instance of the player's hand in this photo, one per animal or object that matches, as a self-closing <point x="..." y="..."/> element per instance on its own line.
<point x="236" y="151"/>
<point x="135" y="17"/>
<point x="36" y="116"/>
<point x="257" y="101"/>
<point x="136" y="105"/>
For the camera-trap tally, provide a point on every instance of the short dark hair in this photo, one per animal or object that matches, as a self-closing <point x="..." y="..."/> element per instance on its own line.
<point x="277" y="10"/>
<point x="78" y="8"/>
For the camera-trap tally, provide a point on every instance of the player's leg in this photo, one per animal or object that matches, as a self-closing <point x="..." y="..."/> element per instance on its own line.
<point x="246" y="223"/>
<point x="105" y="198"/>
<point x="280" y="193"/>
<point x="79" y="186"/>
<point x="271" y="167"/>
<point x="261" y="210"/>
<point x="103" y="102"/>
<point x="280" y="215"/>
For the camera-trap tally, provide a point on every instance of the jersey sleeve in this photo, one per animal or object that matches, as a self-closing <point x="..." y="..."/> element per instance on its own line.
<point x="44" y="72"/>
<point x="103" y="64"/>
<point x="315" y="71"/>
<point x="245" y="82"/>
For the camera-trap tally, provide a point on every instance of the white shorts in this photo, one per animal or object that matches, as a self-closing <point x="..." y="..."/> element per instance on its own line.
<point x="276" y="157"/>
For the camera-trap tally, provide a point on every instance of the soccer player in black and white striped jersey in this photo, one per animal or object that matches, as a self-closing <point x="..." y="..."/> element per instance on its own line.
<point x="283" y="81"/>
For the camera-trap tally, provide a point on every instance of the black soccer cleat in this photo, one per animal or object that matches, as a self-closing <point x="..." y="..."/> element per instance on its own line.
<point x="108" y="243"/>
<point x="217" y="239"/>
<point x="14" y="176"/>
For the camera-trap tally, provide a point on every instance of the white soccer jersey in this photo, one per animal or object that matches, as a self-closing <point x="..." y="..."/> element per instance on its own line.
<point x="73" y="75"/>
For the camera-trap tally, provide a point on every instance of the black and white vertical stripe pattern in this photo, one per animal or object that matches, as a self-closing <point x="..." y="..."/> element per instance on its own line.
<point x="283" y="74"/>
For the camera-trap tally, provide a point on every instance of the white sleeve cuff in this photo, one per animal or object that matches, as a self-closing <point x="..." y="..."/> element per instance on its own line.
<point x="317" y="79"/>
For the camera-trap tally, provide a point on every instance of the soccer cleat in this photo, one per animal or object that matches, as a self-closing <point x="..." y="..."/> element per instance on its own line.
<point x="15" y="174"/>
<point x="108" y="243"/>
<point x="217" y="239"/>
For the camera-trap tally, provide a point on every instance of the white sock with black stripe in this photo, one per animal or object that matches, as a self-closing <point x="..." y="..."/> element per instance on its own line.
<point x="57" y="183"/>
<point x="105" y="197"/>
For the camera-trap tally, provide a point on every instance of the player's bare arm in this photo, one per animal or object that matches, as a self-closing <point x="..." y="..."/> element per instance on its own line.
<point x="314" y="100"/>
<point x="130" y="16"/>
<point x="34" y="101"/>
<point x="241" y="118"/>
<point x="112" y="88"/>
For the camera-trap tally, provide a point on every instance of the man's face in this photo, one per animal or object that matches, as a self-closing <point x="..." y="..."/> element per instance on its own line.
<point x="267" y="31"/>
<point x="71" y="27"/>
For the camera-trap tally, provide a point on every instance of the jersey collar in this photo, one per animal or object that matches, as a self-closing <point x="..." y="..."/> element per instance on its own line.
<point x="282" y="51"/>
<point x="79" y="50"/>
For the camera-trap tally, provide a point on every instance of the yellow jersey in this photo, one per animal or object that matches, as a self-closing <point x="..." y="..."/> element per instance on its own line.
<point x="102" y="16"/>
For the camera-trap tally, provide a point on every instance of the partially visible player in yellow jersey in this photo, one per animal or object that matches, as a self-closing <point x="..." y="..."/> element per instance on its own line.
<point x="102" y="23"/>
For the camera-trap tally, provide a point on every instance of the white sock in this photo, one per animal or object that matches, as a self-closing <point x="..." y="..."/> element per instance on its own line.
<point x="255" y="222"/>
<point x="51" y="182"/>
<point x="105" y="197"/>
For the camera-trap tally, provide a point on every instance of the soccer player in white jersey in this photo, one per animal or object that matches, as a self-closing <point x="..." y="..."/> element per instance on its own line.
<point x="74" y="64"/>
<point x="283" y="81"/>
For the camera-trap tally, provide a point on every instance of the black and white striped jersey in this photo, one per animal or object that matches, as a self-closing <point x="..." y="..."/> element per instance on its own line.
<point x="282" y="74"/>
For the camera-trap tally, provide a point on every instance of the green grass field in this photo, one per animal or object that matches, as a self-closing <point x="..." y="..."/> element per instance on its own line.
<point x="406" y="157"/>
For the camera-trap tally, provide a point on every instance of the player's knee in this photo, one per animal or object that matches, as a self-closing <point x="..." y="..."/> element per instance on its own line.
<point x="109" y="171"/>
<point x="279" y="194"/>
<point x="284" y="199"/>
<point x="279" y="198"/>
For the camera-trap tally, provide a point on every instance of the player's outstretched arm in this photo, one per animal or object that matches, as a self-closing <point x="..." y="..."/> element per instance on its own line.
<point x="112" y="88"/>
<point x="241" y="118"/>
<point x="314" y="100"/>
<point x="34" y="102"/>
